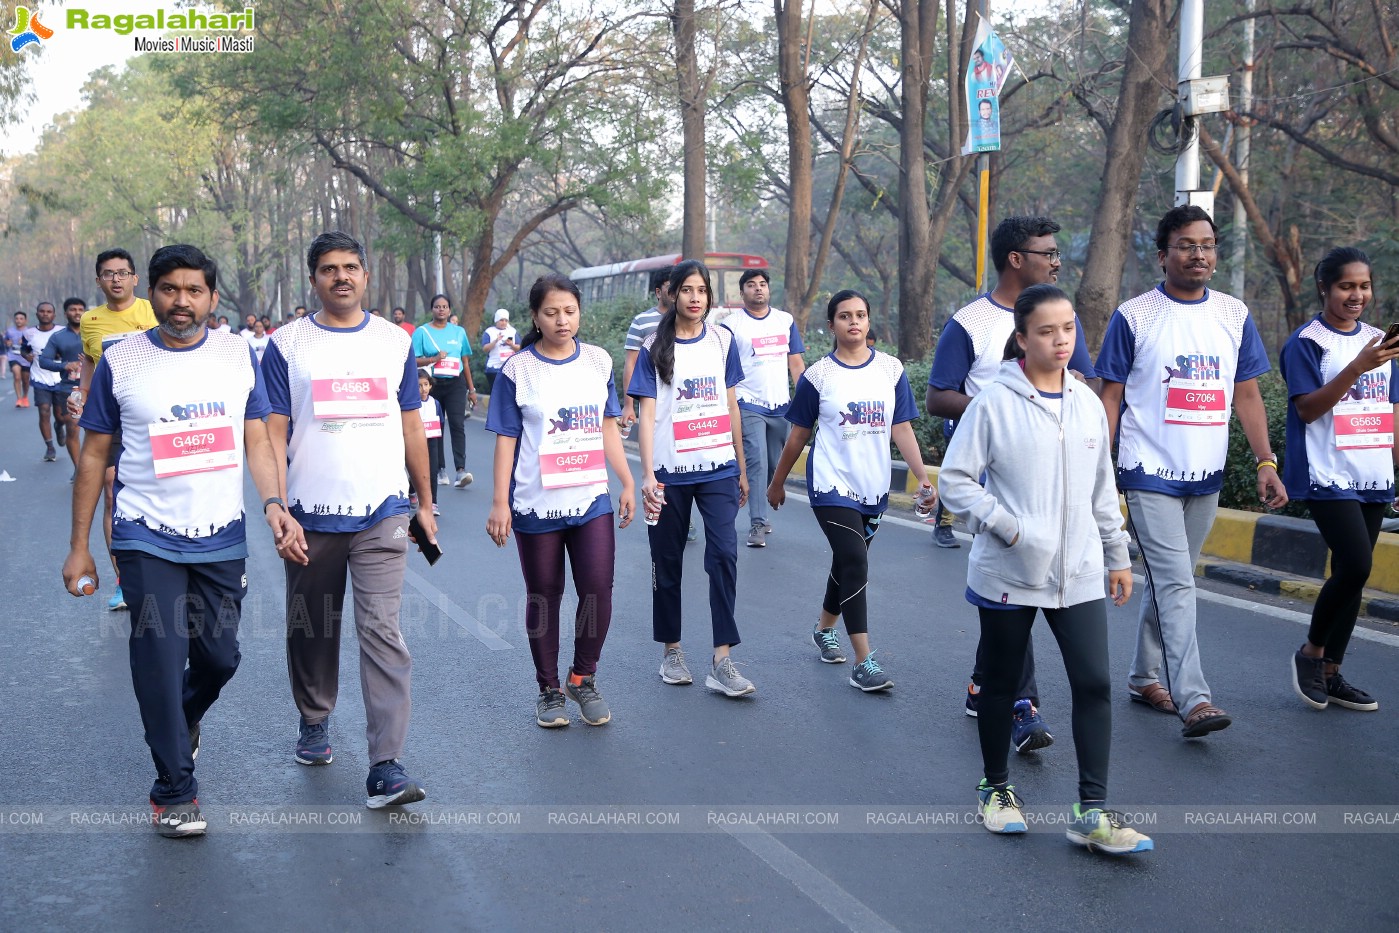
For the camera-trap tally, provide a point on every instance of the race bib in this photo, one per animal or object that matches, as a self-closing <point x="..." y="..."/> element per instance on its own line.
<point x="1363" y="424"/>
<point x="350" y="397"/>
<point x="1199" y="402"/>
<point x="199" y="446"/>
<point x="432" y="425"/>
<point x="572" y="457"/>
<point x="505" y="352"/>
<point x="767" y="347"/>
<point x="706" y="428"/>
<point x="447" y="368"/>
<point x="110" y="339"/>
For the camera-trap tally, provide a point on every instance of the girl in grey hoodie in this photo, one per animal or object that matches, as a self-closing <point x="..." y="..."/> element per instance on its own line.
<point x="1030" y="471"/>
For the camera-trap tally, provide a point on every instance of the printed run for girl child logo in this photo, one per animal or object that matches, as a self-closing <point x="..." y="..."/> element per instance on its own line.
<point x="1370" y="386"/>
<point x="28" y="30"/>
<point x="579" y="418"/>
<point x="1200" y="366"/>
<point x="703" y="388"/>
<point x="870" y="414"/>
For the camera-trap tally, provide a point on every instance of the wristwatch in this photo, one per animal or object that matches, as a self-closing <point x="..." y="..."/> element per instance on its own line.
<point x="272" y="500"/>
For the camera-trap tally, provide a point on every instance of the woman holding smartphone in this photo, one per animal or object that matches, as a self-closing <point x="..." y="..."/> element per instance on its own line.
<point x="1031" y="472"/>
<point x="689" y="430"/>
<point x="554" y="412"/>
<point x="1342" y="389"/>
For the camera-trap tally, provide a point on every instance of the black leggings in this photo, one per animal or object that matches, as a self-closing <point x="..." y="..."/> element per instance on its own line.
<point x="1082" y="633"/>
<point x="850" y="533"/>
<point x="1350" y="529"/>
<point x="452" y="394"/>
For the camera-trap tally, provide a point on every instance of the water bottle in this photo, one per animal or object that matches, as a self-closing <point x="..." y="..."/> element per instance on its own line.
<point x="924" y="501"/>
<point x="86" y="585"/>
<point x="654" y="502"/>
<point x="625" y="428"/>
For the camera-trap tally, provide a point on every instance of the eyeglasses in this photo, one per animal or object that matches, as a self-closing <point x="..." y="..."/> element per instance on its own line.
<point x="117" y="274"/>
<point x="1195" y="249"/>
<point x="1052" y="254"/>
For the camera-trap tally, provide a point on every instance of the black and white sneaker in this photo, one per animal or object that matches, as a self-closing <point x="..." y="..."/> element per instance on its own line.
<point x="1349" y="696"/>
<point x="1309" y="680"/>
<point x="178" y="820"/>
<point x="388" y="785"/>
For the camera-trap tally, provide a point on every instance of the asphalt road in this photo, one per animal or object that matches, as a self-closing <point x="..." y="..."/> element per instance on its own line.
<point x="808" y="806"/>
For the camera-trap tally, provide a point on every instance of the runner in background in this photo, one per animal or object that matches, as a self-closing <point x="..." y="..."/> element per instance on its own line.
<point x="555" y="420"/>
<point x="441" y="346"/>
<point x="861" y="400"/>
<point x="1030" y="470"/>
<point x="431" y="413"/>
<point x="62" y="356"/>
<point x="14" y="358"/>
<point x="43" y="381"/>
<point x="1342" y="390"/>
<point x="500" y="341"/>
<point x="689" y="431"/>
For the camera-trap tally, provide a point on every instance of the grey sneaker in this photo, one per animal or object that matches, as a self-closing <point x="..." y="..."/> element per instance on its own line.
<point x="829" y="642"/>
<point x="727" y="680"/>
<point x="673" y="669"/>
<point x="944" y="538"/>
<point x="693" y="534"/>
<point x="49" y="455"/>
<point x="767" y="528"/>
<point x="463" y="479"/>
<point x="869" y="676"/>
<point x="549" y="710"/>
<point x="442" y="476"/>
<point x="591" y="706"/>
<point x="757" y="535"/>
<point x="178" y="820"/>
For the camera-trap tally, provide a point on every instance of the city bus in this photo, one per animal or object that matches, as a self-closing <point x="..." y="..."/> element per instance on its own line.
<point x="632" y="278"/>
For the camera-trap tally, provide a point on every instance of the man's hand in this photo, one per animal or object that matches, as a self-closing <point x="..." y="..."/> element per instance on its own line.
<point x="75" y="403"/>
<point x="287" y="532"/>
<point x="1120" y="585"/>
<point x="428" y="523"/>
<point x="1271" y="491"/>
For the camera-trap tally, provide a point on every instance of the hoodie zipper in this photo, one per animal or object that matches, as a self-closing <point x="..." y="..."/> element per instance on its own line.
<point x="1063" y="499"/>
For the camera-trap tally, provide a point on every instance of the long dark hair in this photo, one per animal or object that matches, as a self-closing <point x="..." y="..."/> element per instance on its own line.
<point x="1328" y="271"/>
<point x="550" y="282"/>
<point x="663" y="347"/>
<point x="1026" y="303"/>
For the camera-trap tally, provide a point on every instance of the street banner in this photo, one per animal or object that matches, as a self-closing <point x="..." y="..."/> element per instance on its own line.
<point x="986" y="75"/>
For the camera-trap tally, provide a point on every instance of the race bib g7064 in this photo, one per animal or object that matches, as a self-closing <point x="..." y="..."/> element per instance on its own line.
<point x="1196" y="402"/>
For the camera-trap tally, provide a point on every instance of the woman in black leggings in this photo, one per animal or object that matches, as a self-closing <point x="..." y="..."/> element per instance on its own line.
<point x="861" y="399"/>
<point x="1341" y="389"/>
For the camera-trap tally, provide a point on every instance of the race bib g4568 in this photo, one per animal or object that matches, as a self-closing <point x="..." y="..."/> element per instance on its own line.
<point x="350" y="397"/>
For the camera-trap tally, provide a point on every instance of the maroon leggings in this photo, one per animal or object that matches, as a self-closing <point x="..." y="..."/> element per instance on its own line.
<point x="591" y="548"/>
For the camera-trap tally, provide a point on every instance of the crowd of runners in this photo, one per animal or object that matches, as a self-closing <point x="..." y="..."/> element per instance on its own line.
<point x="338" y="416"/>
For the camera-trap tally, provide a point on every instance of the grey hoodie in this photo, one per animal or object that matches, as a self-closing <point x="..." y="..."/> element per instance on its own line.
<point x="1048" y="480"/>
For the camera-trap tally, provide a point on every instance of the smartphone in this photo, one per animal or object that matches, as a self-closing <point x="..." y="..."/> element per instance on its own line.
<point x="1392" y="332"/>
<point x="432" y="552"/>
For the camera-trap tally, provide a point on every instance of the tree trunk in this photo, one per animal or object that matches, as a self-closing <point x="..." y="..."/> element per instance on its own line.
<point x="1143" y="77"/>
<point x="917" y="26"/>
<point x="792" y="80"/>
<point x="682" y="21"/>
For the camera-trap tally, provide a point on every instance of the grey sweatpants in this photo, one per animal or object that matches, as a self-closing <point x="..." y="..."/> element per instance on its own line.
<point x="1170" y="530"/>
<point x="374" y="560"/>
<point x="764" y="436"/>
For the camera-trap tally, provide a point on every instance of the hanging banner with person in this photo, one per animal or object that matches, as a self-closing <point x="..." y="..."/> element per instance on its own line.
<point x="986" y="75"/>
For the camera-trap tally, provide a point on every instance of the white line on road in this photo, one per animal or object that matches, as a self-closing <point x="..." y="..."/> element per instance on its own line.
<point x="456" y="613"/>
<point x="847" y="909"/>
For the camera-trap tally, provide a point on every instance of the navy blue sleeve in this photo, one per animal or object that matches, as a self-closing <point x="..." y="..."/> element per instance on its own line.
<point x="806" y="404"/>
<point x="953" y="358"/>
<point x="1079" y="360"/>
<point x="101" y="413"/>
<point x="643" y="376"/>
<point x="409" y="398"/>
<point x="1300" y="362"/>
<point x="504" y="415"/>
<point x="613" y="408"/>
<point x="275" y="380"/>
<point x="794" y="340"/>
<point x="257" y="406"/>
<point x="733" y="369"/>
<point x="1394" y="382"/>
<point x="905" y="408"/>
<point x="49" y="358"/>
<point x="1253" y="359"/>
<point x="1119" y="350"/>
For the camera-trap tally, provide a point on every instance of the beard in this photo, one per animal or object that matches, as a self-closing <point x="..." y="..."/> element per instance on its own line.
<point x="171" y="329"/>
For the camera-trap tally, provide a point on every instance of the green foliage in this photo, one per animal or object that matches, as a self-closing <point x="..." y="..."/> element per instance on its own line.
<point x="1240" y="471"/>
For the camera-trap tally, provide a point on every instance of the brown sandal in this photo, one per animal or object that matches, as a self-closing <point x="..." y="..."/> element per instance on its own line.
<point x="1153" y="695"/>
<point x="1203" y="720"/>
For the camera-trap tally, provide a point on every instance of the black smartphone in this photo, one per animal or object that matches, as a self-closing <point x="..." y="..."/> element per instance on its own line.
<point x="1392" y="332"/>
<point x="429" y="550"/>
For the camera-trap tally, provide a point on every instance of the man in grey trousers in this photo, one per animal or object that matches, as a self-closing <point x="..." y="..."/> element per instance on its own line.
<point x="344" y="382"/>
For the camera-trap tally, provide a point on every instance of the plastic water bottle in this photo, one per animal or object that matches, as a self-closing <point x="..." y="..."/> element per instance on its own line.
<point x="625" y="428"/>
<point x="86" y="585"/>
<point x="654" y="503"/>
<point x="924" y="501"/>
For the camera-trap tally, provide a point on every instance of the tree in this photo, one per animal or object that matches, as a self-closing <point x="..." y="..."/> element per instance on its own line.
<point x="693" y="93"/>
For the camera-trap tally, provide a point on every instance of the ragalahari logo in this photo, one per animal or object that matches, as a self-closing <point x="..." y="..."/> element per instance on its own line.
<point x="28" y="30"/>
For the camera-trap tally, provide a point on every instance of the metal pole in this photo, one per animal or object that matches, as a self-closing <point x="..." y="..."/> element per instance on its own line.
<point x="437" y="247"/>
<point x="1236" y="275"/>
<point x="1192" y="34"/>
<point x="983" y="202"/>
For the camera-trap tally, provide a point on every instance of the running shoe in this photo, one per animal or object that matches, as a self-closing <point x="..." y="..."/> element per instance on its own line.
<point x="463" y="479"/>
<point x="757" y="536"/>
<point x="944" y="538"/>
<point x="442" y="476"/>
<point x="313" y="744"/>
<point x="673" y="669"/>
<point x="549" y="709"/>
<point x="117" y="601"/>
<point x="972" y="691"/>
<point x="60" y="433"/>
<point x="50" y="455"/>
<point x="1348" y="695"/>
<point x="829" y="642"/>
<point x="1309" y="680"/>
<point x="435" y="510"/>
<point x="178" y="820"/>
<point x="725" y="678"/>
<point x="692" y="535"/>
<point x="869" y="676"/>
<point x="388" y="785"/>
<point x="1028" y="731"/>
<point x="1102" y="831"/>
<point x="591" y="706"/>
<point x="1000" y="808"/>
<point x="194" y="741"/>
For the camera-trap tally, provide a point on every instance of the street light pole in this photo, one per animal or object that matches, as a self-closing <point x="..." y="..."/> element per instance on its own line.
<point x="1192" y="35"/>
